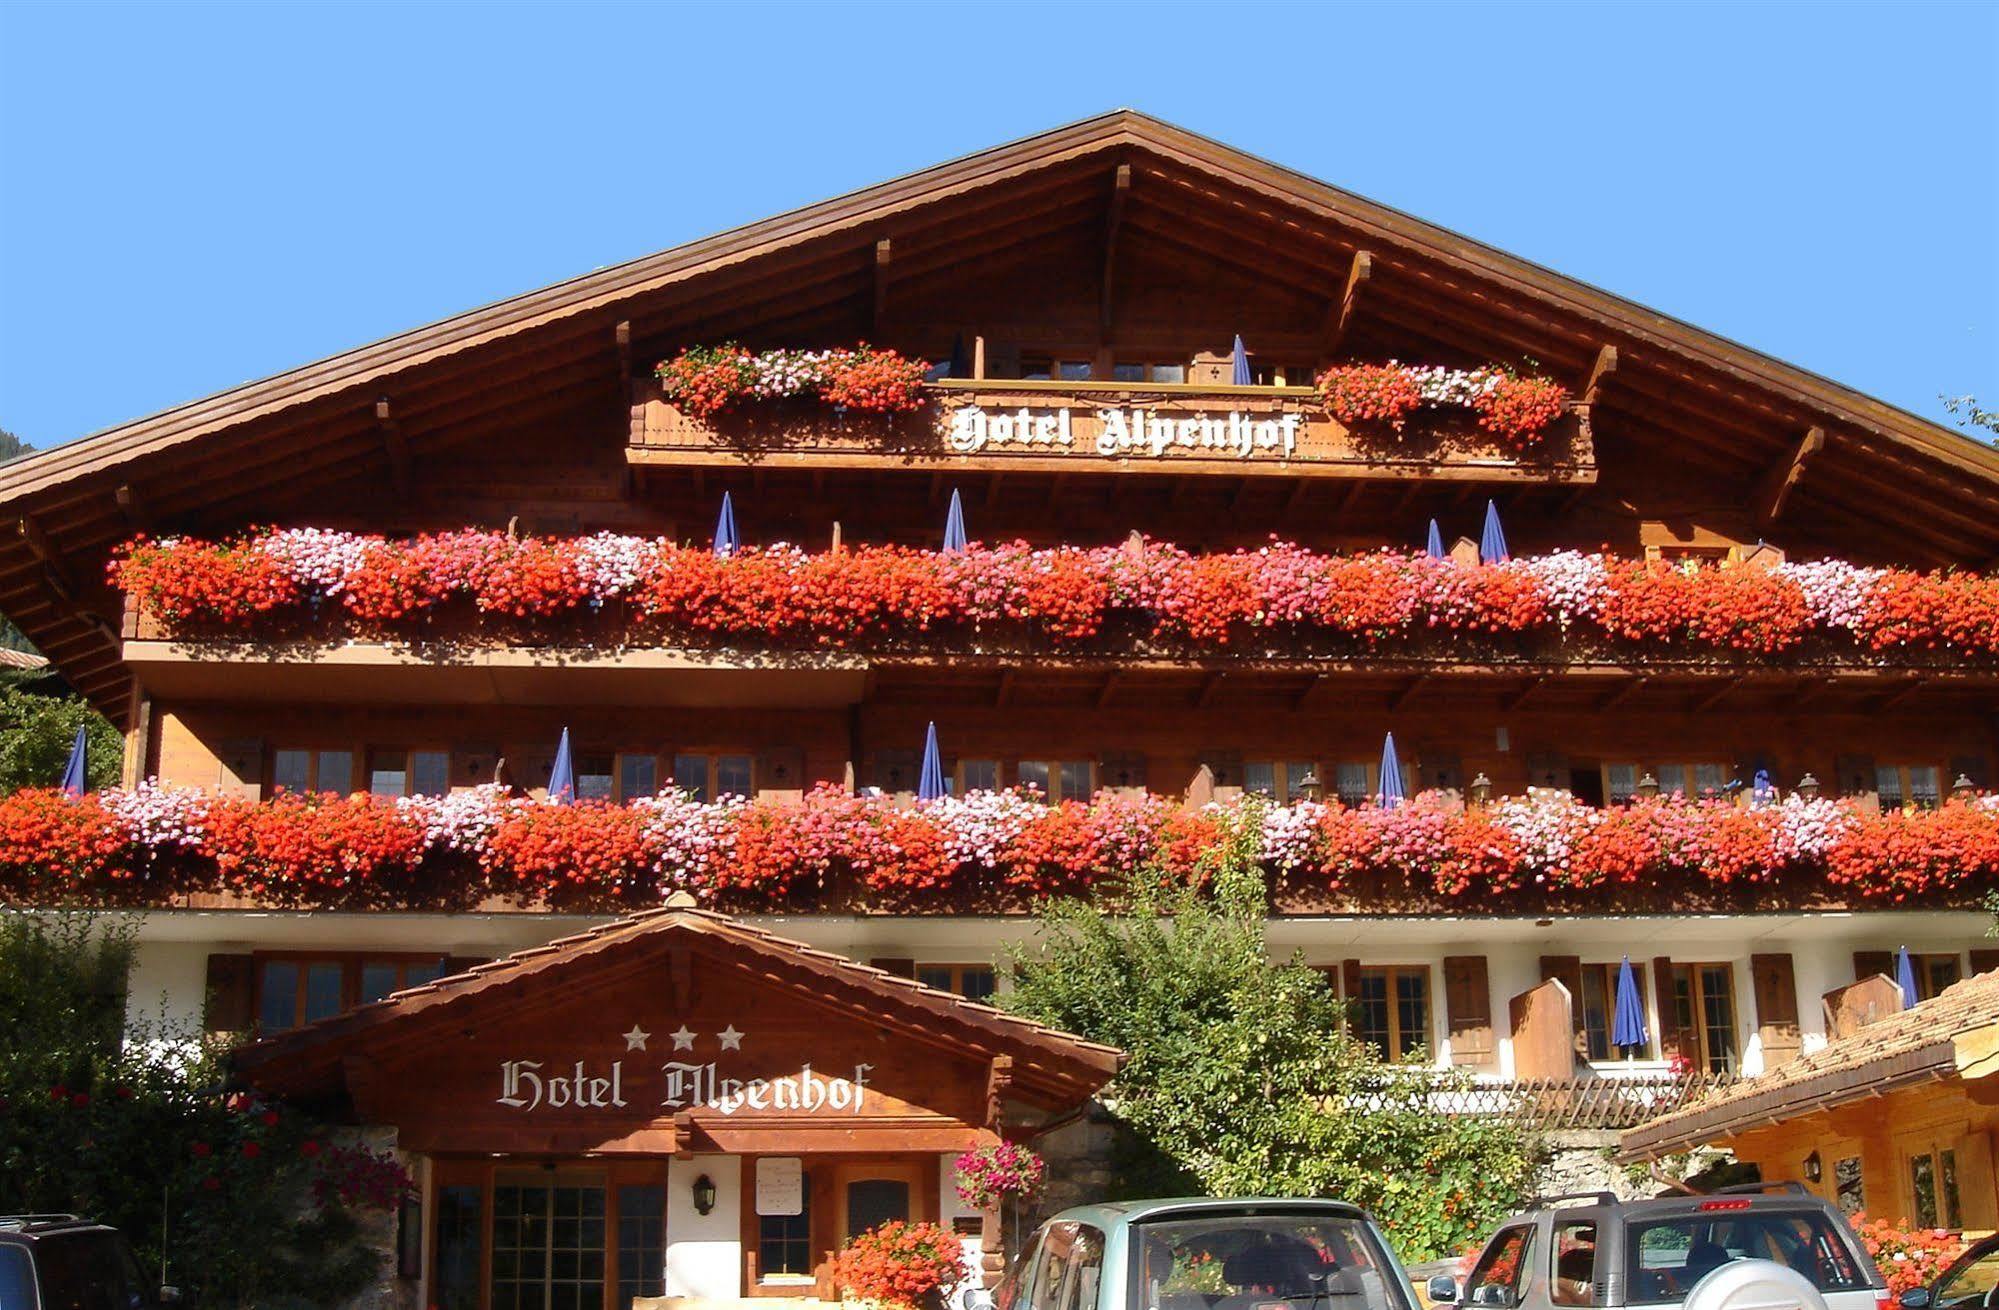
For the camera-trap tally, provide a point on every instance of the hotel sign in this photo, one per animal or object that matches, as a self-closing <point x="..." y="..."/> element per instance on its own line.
<point x="1134" y="431"/>
<point x="528" y="1086"/>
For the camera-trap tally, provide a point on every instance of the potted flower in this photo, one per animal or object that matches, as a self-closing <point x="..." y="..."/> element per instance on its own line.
<point x="990" y="1175"/>
<point x="902" y="1265"/>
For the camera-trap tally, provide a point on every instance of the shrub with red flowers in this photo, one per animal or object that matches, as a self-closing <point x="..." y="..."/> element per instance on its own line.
<point x="153" y="845"/>
<point x="988" y="1175"/>
<point x="706" y="380"/>
<point x="1138" y="596"/>
<point x="901" y="1264"/>
<point x="1517" y="409"/>
<point x="1907" y="1257"/>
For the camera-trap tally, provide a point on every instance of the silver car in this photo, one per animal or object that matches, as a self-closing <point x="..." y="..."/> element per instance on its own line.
<point x="1739" y="1247"/>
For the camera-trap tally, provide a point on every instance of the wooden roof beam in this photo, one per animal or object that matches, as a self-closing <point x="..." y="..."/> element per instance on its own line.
<point x="1113" y="227"/>
<point x="1111" y="681"/>
<point x="1005" y="692"/>
<point x="1209" y="685"/>
<point x="1776" y="486"/>
<point x="1521" y="697"/>
<point x="53" y="571"/>
<point x="396" y="446"/>
<point x="1313" y="686"/>
<point x="129" y="506"/>
<point x="1340" y="314"/>
<point x="884" y="253"/>
<point x="1624" y="693"/>
<point x="1719" y="694"/>
<point x="1408" y="693"/>
<point x="1599" y="374"/>
<point x="1901" y="695"/>
<point x="621" y="336"/>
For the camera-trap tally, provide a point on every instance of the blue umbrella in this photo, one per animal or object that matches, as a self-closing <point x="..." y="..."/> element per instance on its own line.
<point x="1761" y="790"/>
<point x="1391" y="794"/>
<point x="1627" y="1024"/>
<point x="726" y="540"/>
<point x="1239" y="364"/>
<point x="1492" y="541"/>
<point x="562" y="775"/>
<point x="930" y="779"/>
<point x="1905" y="977"/>
<point x="1435" y="546"/>
<point x="954" y="526"/>
<point x="73" y="784"/>
<point x="961" y="363"/>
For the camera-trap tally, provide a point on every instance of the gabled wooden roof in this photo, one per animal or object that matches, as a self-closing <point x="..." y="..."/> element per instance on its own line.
<point x="564" y="350"/>
<point x="1050" y="1066"/>
<point x="1917" y="1045"/>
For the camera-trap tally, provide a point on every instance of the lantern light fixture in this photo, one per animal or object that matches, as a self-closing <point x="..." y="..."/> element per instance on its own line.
<point x="1648" y="787"/>
<point x="1808" y="787"/>
<point x="1481" y="790"/>
<point x="704" y="1194"/>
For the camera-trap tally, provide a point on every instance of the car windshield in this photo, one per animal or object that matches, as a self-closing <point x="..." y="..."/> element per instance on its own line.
<point x="1272" y="1261"/>
<point x="1663" y="1260"/>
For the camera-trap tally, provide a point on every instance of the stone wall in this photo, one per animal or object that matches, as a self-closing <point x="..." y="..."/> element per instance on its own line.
<point x="387" y="1291"/>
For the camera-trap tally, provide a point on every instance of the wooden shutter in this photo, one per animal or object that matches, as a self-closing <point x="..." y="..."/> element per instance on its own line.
<point x="898" y="965"/>
<point x="1350" y="992"/>
<point x="1673" y="1039"/>
<point x="1224" y="768"/>
<point x="241" y="764"/>
<point x="1868" y="963"/>
<point x="1776" y="988"/>
<point x="781" y="770"/>
<point x="1122" y="772"/>
<point x="1984" y="961"/>
<point x="1543" y="1023"/>
<point x="895" y="772"/>
<point x="232" y="982"/>
<point x="1440" y="769"/>
<point x="1468" y="1010"/>
<point x="1856" y="779"/>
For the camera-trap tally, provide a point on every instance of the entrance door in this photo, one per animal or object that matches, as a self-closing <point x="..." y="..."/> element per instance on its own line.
<point x="548" y="1242"/>
<point x="872" y="1194"/>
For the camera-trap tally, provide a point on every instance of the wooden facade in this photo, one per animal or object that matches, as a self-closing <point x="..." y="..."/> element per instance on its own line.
<point x="1105" y="266"/>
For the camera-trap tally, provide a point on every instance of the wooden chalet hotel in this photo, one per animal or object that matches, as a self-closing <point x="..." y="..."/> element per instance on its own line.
<point x="1724" y="705"/>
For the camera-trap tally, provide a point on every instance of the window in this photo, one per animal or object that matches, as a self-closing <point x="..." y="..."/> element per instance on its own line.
<point x="300" y="989"/>
<point x="641" y="1242"/>
<point x="1281" y="780"/>
<point x="1911" y="786"/>
<point x="978" y="775"/>
<point x="1073" y="370"/>
<point x="1971" y="1285"/>
<point x="706" y="777"/>
<point x="1933" y="1189"/>
<point x="1572" y="1275"/>
<point x="1597" y="1011"/>
<point x="1685" y="779"/>
<point x="974" y="982"/>
<point x="303" y="770"/>
<point x="1057" y="780"/>
<point x="1036" y="368"/>
<point x="638" y="776"/>
<point x="595" y="777"/>
<point x="1663" y="1260"/>
<point x="784" y="1241"/>
<point x="1497" y="1278"/>
<point x="548" y="1242"/>
<point x="1353" y="783"/>
<point x="1848" y="1191"/>
<point x="1704" y="1014"/>
<point x="1279" y="1258"/>
<point x="408" y="773"/>
<point x="1935" y="972"/>
<point x="1390" y="1009"/>
<point x="1148" y="371"/>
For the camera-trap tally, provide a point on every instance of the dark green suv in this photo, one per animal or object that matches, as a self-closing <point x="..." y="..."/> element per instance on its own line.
<point x="61" y="1262"/>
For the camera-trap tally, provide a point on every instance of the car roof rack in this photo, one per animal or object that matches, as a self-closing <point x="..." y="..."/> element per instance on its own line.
<point x="15" y="1222"/>
<point x="1600" y="1197"/>
<point x="1790" y="1185"/>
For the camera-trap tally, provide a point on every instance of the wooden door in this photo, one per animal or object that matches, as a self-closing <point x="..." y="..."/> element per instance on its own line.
<point x="869" y="1193"/>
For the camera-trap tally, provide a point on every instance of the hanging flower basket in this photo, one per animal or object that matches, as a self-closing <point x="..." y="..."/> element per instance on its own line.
<point x="988" y="1175"/>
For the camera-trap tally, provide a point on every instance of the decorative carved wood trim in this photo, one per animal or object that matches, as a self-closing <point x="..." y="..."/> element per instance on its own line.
<point x="884" y="253"/>
<point x="999" y="1081"/>
<point x="1777" y="485"/>
<point x="129" y="506"/>
<point x="1606" y="364"/>
<point x="1113" y="224"/>
<point x="1339" y="315"/>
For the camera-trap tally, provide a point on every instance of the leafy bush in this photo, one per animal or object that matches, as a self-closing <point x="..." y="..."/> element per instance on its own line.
<point x="236" y="1200"/>
<point x="901" y="1264"/>
<point x="36" y="733"/>
<point x="1242" y="1078"/>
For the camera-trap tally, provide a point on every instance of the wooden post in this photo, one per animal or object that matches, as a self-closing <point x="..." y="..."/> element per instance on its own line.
<point x="992" y="1236"/>
<point x="978" y="357"/>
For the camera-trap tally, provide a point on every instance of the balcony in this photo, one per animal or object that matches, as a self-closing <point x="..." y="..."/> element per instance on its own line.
<point x="1072" y="427"/>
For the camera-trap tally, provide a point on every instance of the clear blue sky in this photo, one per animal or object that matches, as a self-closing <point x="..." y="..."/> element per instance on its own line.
<point x="192" y="196"/>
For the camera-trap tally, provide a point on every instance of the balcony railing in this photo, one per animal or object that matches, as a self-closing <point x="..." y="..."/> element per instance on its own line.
<point x="1575" y="1104"/>
<point x="1142" y="600"/>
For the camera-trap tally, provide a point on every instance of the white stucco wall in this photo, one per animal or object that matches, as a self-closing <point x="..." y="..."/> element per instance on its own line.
<point x="950" y="1210"/>
<point x="167" y="988"/>
<point x="704" y="1253"/>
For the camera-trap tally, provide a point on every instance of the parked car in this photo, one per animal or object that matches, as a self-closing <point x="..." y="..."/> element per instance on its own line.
<point x="1764" y="1244"/>
<point x="1971" y="1282"/>
<point x="61" y="1262"/>
<point x="1203" y="1254"/>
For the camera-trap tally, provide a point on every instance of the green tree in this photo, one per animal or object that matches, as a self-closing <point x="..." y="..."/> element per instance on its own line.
<point x="36" y="733"/>
<point x="1969" y="415"/>
<point x="1241" y="1077"/>
<point x="12" y="447"/>
<point x="234" y="1199"/>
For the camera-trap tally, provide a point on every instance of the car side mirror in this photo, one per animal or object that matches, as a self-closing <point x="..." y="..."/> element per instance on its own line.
<point x="1916" y="1298"/>
<point x="975" y="1298"/>
<point x="1442" y="1290"/>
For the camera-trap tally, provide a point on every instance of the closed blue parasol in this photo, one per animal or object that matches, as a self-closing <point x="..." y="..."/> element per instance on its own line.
<point x="1492" y="541"/>
<point x="1391" y="793"/>
<point x="954" y="526"/>
<point x="1627" y="1023"/>
<point x="1762" y="791"/>
<point x="1239" y="364"/>
<point x="930" y="780"/>
<point x="73" y="779"/>
<point x="726" y="540"/>
<point x="1435" y="545"/>
<point x="1905" y="977"/>
<point x="562" y="774"/>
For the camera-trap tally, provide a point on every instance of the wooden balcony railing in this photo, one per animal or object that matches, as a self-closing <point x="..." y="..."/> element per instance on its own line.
<point x="1570" y="1104"/>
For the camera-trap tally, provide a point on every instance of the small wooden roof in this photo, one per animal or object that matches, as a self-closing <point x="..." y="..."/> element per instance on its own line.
<point x="1049" y="1066"/>
<point x="1937" y="1038"/>
<point x="559" y="356"/>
